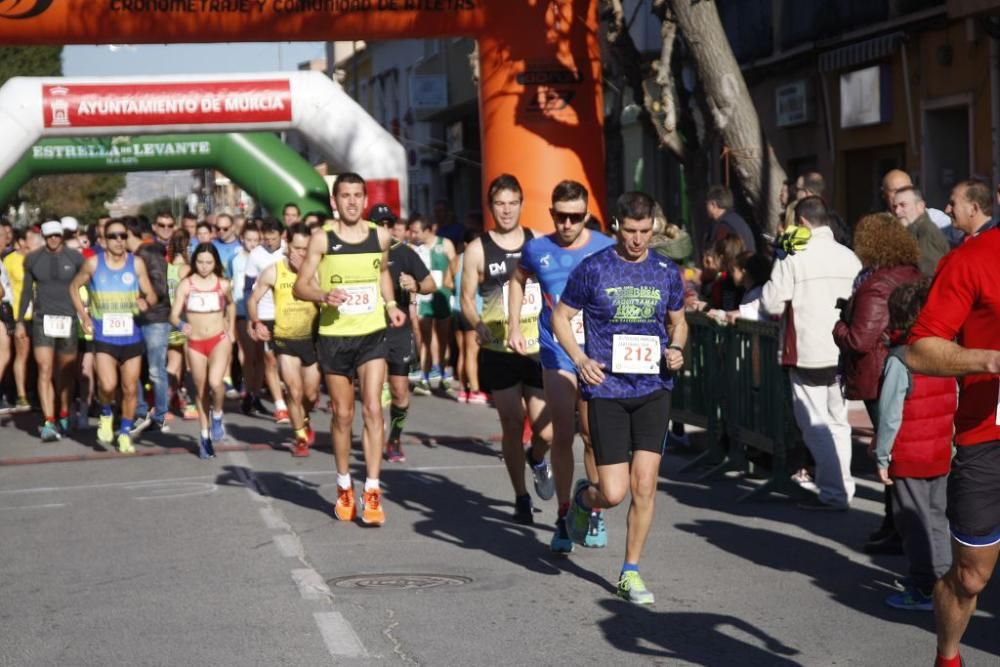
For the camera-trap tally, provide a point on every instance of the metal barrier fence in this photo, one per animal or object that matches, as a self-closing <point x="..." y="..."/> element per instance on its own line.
<point x="734" y="388"/>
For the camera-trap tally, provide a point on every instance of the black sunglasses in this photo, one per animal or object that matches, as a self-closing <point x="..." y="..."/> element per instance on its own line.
<point x="575" y="218"/>
<point x="49" y="236"/>
<point x="120" y="236"/>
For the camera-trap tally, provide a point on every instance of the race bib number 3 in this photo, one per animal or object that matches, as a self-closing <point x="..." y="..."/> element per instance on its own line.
<point x="361" y="299"/>
<point x="635" y="354"/>
<point x="204" y="302"/>
<point x="57" y="326"/>
<point x="578" y="332"/>
<point x="531" y="305"/>
<point x="117" y="324"/>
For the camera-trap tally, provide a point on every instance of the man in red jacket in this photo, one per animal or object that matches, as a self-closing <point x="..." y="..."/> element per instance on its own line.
<point x="957" y="335"/>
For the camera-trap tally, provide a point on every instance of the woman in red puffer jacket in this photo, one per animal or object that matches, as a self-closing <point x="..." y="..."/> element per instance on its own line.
<point x="888" y="255"/>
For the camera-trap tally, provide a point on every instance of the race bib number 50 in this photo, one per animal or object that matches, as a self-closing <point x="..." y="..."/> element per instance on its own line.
<point x="635" y="354"/>
<point x="531" y="306"/>
<point x="361" y="299"/>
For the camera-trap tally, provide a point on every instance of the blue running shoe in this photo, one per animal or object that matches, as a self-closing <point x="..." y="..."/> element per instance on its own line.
<point x="218" y="430"/>
<point x="578" y="518"/>
<point x="911" y="599"/>
<point x="49" y="432"/>
<point x="561" y="542"/>
<point x="597" y="533"/>
<point x="205" y="449"/>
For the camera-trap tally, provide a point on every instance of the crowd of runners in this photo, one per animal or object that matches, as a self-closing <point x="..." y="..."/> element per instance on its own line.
<point x="136" y="323"/>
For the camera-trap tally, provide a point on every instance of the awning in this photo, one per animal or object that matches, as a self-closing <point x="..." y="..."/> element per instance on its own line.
<point x="861" y="53"/>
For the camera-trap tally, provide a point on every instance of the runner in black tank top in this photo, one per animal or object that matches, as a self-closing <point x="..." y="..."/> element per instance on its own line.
<point x="513" y="379"/>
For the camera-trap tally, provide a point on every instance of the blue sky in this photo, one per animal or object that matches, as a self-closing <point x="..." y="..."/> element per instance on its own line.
<point x="187" y="58"/>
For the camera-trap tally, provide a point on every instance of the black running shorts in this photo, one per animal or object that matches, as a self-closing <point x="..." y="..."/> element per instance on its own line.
<point x="974" y="494"/>
<point x="503" y="370"/>
<point x="341" y="355"/>
<point x="304" y="349"/>
<point x="620" y="426"/>
<point x="399" y="349"/>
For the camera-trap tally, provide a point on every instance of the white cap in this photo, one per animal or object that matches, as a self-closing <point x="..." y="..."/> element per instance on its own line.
<point x="52" y="227"/>
<point x="69" y="224"/>
<point x="939" y="218"/>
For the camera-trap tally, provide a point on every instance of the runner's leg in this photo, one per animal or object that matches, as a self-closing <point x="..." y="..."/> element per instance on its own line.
<point x="198" y="365"/>
<point x="643" y="477"/>
<point x="371" y="374"/>
<point x="45" y="360"/>
<point x="291" y="372"/>
<point x="341" y="390"/>
<point x="510" y="408"/>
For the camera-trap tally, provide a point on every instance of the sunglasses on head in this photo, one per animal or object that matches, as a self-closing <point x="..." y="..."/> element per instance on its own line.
<point x="575" y="218"/>
<point x="120" y="236"/>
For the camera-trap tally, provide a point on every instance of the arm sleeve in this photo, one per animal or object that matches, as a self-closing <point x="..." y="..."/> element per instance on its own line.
<point x="577" y="291"/>
<point x="415" y="266"/>
<point x="950" y="301"/>
<point x="895" y="386"/>
<point x="27" y="289"/>
<point x="779" y="289"/>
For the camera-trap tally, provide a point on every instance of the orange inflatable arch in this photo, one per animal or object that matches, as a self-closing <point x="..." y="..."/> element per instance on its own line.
<point x="541" y="106"/>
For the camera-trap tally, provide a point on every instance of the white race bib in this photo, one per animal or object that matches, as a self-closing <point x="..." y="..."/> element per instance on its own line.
<point x="578" y="332"/>
<point x="635" y="354"/>
<point x="204" y="302"/>
<point x="57" y="326"/>
<point x="531" y="304"/>
<point x="117" y="324"/>
<point x="361" y="299"/>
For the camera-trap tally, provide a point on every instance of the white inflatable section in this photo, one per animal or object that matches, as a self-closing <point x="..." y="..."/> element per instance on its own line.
<point x="320" y="109"/>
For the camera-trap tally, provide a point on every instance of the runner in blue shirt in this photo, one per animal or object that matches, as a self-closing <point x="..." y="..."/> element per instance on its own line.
<point x="549" y="260"/>
<point x="633" y="311"/>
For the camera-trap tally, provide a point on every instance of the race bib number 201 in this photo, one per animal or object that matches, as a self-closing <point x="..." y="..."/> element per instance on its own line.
<point x="117" y="324"/>
<point x="635" y="354"/>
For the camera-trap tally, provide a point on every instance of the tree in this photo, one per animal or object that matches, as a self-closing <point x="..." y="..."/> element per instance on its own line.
<point x="30" y="61"/>
<point x="717" y="107"/>
<point x="84" y="196"/>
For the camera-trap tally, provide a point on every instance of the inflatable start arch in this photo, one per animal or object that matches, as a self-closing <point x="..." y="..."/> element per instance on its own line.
<point x="540" y="97"/>
<point x="258" y="162"/>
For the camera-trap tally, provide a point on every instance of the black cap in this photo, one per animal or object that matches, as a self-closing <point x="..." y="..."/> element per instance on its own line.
<point x="381" y="213"/>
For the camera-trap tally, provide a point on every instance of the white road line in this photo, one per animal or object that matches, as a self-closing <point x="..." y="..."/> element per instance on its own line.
<point x="311" y="585"/>
<point x="273" y="519"/>
<point x="340" y="638"/>
<point x="32" y="507"/>
<point x="110" y="485"/>
<point x="290" y="546"/>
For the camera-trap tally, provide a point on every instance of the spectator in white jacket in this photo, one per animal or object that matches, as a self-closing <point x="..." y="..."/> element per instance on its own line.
<point x="812" y="281"/>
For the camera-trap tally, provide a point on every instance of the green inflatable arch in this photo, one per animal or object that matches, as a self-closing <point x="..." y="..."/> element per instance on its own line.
<point x="258" y="162"/>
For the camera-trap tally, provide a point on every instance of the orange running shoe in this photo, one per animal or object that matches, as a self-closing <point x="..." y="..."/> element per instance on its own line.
<point x="281" y="417"/>
<point x="310" y="436"/>
<point x="300" y="447"/>
<point x="345" y="509"/>
<point x="373" y="514"/>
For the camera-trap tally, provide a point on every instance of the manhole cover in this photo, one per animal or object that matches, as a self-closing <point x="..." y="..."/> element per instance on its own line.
<point x="398" y="582"/>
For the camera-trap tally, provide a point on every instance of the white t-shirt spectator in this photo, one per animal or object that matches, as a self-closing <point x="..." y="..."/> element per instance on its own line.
<point x="260" y="260"/>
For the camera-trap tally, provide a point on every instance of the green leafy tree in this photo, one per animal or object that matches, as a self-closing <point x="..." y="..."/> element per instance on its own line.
<point x="30" y="61"/>
<point x="84" y="196"/>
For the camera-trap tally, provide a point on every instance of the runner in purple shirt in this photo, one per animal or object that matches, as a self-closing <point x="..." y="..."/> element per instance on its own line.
<point x="633" y="314"/>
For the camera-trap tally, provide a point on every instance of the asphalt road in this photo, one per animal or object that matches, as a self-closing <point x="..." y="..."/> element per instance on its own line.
<point x="163" y="559"/>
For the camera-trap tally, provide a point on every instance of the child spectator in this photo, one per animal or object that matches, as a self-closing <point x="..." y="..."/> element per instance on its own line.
<point x="750" y="272"/>
<point x="913" y="451"/>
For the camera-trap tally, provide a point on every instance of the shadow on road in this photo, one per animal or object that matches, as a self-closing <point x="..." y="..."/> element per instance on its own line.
<point x="693" y="637"/>
<point x="463" y="444"/>
<point x="288" y="488"/>
<point x="467" y="519"/>
<point x="857" y="586"/>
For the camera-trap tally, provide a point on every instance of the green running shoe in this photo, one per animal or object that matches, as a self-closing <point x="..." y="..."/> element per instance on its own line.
<point x="632" y="588"/>
<point x="578" y="518"/>
<point x="106" y="430"/>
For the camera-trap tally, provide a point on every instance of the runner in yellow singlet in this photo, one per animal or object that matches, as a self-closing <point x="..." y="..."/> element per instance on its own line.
<point x="346" y="270"/>
<point x="293" y="334"/>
